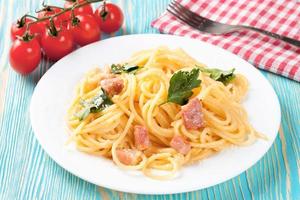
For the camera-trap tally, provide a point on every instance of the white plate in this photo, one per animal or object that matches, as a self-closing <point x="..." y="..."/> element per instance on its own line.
<point x="55" y="90"/>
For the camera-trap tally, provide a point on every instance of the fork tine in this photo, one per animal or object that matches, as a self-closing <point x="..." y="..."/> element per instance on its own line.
<point x="180" y="14"/>
<point x="182" y="18"/>
<point x="192" y="15"/>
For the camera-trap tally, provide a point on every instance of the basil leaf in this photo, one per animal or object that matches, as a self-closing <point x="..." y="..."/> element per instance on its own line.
<point x="224" y="76"/>
<point x="181" y="85"/>
<point x="118" y="69"/>
<point x="129" y="69"/>
<point x="97" y="104"/>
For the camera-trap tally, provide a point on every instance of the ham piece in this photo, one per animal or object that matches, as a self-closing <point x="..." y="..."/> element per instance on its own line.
<point x="141" y="137"/>
<point x="127" y="156"/>
<point x="192" y="115"/>
<point x="180" y="144"/>
<point x="112" y="86"/>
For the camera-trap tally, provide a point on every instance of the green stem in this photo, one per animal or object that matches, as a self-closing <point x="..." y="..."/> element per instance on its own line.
<point x="103" y="13"/>
<point x="74" y="19"/>
<point x="50" y="6"/>
<point x="31" y="16"/>
<point x="61" y="12"/>
<point x="52" y="29"/>
<point x="26" y="37"/>
<point x="22" y="21"/>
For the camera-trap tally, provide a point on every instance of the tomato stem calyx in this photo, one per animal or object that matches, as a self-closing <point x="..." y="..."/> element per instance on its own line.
<point x="26" y="37"/>
<point x="104" y="13"/>
<point x="75" y="21"/>
<point x="52" y="30"/>
<point x="22" y="21"/>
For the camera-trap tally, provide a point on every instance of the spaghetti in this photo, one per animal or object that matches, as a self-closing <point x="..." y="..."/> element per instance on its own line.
<point x="139" y="112"/>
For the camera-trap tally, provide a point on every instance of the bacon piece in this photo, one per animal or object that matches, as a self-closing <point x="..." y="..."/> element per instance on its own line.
<point x="112" y="86"/>
<point x="192" y="115"/>
<point x="127" y="156"/>
<point x="141" y="137"/>
<point x="180" y="144"/>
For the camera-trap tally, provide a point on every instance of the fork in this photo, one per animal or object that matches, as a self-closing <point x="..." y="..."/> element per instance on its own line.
<point x="206" y="25"/>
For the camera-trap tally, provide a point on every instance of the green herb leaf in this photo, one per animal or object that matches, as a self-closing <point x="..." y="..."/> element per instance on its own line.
<point x="97" y="104"/>
<point x="181" y="85"/>
<point x="219" y="75"/>
<point x="129" y="69"/>
<point x="118" y="69"/>
<point x="83" y="114"/>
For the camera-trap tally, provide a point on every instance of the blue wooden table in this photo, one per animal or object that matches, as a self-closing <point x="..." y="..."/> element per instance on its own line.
<point x="27" y="172"/>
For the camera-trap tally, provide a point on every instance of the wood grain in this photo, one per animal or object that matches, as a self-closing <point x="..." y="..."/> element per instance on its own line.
<point x="26" y="172"/>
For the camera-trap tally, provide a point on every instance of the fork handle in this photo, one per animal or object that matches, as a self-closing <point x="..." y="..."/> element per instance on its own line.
<point x="274" y="35"/>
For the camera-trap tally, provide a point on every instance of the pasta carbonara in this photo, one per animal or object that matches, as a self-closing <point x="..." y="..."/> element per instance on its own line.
<point x="158" y="111"/>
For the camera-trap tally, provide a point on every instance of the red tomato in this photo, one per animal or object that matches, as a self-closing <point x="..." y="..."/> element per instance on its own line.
<point x="58" y="45"/>
<point x="24" y="56"/>
<point x="109" y="19"/>
<point x="42" y="27"/>
<point x="87" y="9"/>
<point x="86" y="30"/>
<point x="18" y="29"/>
<point x="58" y="21"/>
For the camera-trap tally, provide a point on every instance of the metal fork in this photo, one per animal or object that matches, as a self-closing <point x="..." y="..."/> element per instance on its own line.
<point x="209" y="26"/>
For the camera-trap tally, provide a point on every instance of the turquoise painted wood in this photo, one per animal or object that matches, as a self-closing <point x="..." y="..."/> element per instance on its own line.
<point x="26" y="172"/>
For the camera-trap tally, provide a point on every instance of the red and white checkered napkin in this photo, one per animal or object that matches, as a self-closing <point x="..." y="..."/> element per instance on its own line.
<point x="282" y="17"/>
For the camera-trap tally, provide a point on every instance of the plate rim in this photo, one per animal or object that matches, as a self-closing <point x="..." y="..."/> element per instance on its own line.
<point x="128" y="189"/>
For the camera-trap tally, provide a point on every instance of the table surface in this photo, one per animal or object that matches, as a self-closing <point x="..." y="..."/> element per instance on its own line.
<point x="27" y="172"/>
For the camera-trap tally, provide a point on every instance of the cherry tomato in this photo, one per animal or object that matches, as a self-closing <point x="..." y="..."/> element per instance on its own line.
<point x="57" y="45"/>
<point x="25" y="55"/>
<point x="48" y="11"/>
<point x="85" y="30"/>
<point x="109" y="17"/>
<point x="87" y="9"/>
<point x="42" y="27"/>
<point x="18" y="29"/>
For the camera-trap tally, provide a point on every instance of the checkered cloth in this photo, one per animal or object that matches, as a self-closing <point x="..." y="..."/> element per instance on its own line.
<point x="281" y="17"/>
